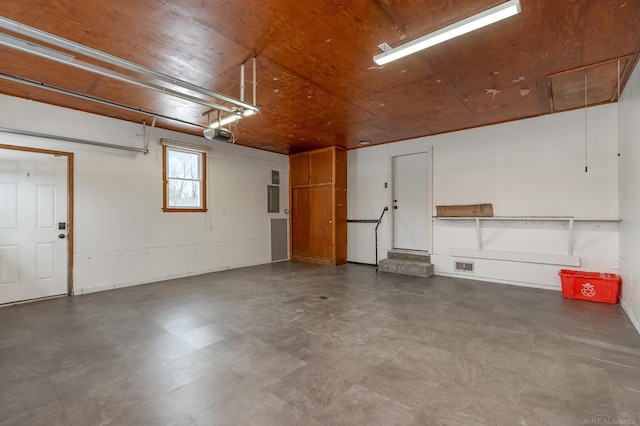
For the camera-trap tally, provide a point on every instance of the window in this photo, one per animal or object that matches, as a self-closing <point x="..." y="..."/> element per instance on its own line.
<point x="184" y="178"/>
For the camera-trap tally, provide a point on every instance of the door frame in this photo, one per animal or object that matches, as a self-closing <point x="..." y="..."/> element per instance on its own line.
<point x="397" y="152"/>
<point x="70" y="204"/>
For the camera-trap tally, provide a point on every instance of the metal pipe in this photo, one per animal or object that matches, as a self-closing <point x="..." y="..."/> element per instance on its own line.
<point x="255" y="82"/>
<point x="65" y="139"/>
<point x="379" y="221"/>
<point x="94" y="99"/>
<point x="43" y="52"/>
<point x="54" y="40"/>
<point x="242" y="82"/>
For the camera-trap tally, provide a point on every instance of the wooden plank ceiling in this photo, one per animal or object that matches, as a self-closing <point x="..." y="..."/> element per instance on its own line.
<point x="317" y="83"/>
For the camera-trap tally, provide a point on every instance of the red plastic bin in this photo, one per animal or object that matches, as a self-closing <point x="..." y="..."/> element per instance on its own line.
<point x="593" y="286"/>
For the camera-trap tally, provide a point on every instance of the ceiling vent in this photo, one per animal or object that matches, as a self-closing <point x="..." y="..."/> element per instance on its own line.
<point x="590" y="85"/>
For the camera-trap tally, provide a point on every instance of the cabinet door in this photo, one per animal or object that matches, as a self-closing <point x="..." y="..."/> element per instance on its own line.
<point x="299" y="169"/>
<point x="300" y="222"/>
<point x="320" y="224"/>
<point x="321" y="167"/>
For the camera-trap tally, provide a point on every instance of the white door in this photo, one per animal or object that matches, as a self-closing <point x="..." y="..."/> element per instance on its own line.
<point x="33" y="209"/>
<point x="411" y="202"/>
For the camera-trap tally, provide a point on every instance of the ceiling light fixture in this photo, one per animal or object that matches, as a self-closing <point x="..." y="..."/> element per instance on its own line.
<point x="224" y="121"/>
<point x="482" y="19"/>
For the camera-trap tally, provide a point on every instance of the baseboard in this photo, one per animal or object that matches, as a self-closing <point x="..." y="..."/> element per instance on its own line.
<point x="635" y="321"/>
<point x="96" y="289"/>
<point x="361" y="263"/>
<point x="499" y="281"/>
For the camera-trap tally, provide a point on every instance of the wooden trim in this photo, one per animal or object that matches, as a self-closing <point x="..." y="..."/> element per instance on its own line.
<point x="182" y="210"/>
<point x="311" y="185"/>
<point x="165" y="181"/>
<point x="331" y="148"/>
<point x="36" y="150"/>
<point x="334" y="223"/>
<point x="625" y="73"/>
<point x="70" y="202"/>
<point x="164" y="177"/>
<point x="204" y="182"/>
<point x="313" y="260"/>
<point x="291" y="217"/>
<point x="584" y="67"/>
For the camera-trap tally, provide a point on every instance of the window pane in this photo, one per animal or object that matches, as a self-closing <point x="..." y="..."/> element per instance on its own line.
<point x="183" y="165"/>
<point x="184" y="193"/>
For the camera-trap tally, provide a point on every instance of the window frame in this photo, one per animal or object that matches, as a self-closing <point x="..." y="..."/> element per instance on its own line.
<point x="165" y="179"/>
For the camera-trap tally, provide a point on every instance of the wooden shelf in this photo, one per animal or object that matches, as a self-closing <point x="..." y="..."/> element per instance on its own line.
<point x="531" y="218"/>
<point x="516" y="256"/>
<point x="547" y="258"/>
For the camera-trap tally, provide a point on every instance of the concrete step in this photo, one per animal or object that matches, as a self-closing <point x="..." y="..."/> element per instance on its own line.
<point x="414" y="256"/>
<point x="406" y="267"/>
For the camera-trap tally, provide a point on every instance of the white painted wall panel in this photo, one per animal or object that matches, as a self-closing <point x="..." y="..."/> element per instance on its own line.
<point x="122" y="237"/>
<point x="630" y="198"/>
<point x="9" y="196"/>
<point x="532" y="167"/>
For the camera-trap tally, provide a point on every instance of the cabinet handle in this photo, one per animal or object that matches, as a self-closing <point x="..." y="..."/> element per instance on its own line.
<point x="330" y="221"/>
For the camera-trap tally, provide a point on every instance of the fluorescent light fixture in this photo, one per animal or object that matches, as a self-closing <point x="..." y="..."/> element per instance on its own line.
<point x="482" y="19"/>
<point x="224" y="121"/>
<point x="230" y="118"/>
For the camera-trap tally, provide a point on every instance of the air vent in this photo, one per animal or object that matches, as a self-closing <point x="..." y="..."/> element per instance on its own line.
<point x="463" y="266"/>
<point x="597" y="82"/>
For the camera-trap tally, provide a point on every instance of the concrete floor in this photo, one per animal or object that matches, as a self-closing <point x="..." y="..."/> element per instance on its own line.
<point x="299" y="344"/>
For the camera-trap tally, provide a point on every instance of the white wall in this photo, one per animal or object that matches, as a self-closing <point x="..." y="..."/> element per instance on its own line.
<point x="630" y="198"/>
<point x="122" y="237"/>
<point x="532" y="167"/>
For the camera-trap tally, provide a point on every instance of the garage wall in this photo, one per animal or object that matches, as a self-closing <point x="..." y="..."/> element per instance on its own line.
<point x="122" y="237"/>
<point x="630" y="198"/>
<point x="533" y="167"/>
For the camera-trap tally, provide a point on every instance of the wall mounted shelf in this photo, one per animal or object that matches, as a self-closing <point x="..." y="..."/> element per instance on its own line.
<point x="545" y="258"/>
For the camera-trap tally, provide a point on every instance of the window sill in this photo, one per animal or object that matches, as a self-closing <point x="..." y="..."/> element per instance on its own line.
<point x="182" y="210"/>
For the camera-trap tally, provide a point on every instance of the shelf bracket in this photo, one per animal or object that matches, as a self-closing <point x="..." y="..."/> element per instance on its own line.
<point x="570" y="238"/>
<point x="479" y="233"/>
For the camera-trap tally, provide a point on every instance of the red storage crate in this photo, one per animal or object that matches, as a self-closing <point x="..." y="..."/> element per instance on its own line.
<point x="593" y="286"/>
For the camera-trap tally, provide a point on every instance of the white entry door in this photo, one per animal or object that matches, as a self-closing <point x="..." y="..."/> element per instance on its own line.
<point x="33" y="211"/>
<point x="411" y="201"/>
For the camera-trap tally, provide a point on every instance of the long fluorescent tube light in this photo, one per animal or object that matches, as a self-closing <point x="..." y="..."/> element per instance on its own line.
<point x="224" y="121"/>
<point x="231" y="118"/>
<point x="482" y="19"/>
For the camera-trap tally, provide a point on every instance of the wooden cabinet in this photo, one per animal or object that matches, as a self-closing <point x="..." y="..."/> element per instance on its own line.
<point x="318" y="205"/>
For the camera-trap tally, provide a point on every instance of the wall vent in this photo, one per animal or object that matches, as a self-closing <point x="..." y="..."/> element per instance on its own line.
<point x="463" y="266"/>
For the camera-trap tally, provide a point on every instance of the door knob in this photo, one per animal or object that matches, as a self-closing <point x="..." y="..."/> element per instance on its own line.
<point x="61" y="235"/>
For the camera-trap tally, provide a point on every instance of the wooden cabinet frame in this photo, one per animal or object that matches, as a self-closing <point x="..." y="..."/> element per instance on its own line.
<point x="318" y="206"/>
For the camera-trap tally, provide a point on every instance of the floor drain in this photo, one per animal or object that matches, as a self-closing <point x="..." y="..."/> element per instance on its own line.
<point x="323" y="297"/>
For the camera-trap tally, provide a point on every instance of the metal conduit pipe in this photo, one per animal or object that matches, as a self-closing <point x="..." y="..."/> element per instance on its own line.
<point x="65" y="139"/>
<point x="94" y="99"/>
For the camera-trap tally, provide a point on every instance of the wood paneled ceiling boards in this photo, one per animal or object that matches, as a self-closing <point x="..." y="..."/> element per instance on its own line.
<point x="317" y="83"/>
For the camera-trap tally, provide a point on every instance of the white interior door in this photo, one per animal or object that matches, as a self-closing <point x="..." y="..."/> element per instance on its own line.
<point x="33" y="208"/>
<point x="411" y="201"/>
